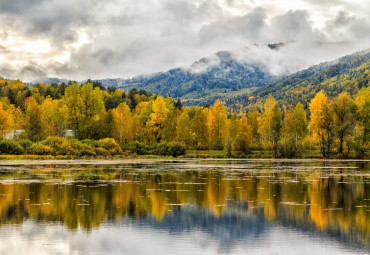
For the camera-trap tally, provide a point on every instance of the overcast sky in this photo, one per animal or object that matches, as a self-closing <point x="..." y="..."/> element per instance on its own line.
<point x="122" y="38"/>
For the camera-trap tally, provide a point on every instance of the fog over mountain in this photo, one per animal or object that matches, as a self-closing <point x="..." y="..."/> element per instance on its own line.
<point x="121" y="39"/>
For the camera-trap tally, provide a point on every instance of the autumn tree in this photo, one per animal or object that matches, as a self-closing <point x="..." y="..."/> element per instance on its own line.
<point x="254" y="119"/>
<point x="199" y="129"/>
<point x="321" y="123"/>
<point x="343" y="117"/>
<point x="300" y="125"/>
<point x="158" y="118"/>
<point x="86" y="108"/>
<point x="17" y="118"/>
<point x="5" y="122"/>
<point x="94" y="111"/>
<point x="316" y="106"/>
<point x="327" y="136"/>
<point x="123" y="124"/>
<point x="217" y="122"/>
<point x="75" y="105"/>
<point x="34" y="124"/>
<point x="266" y="121"/>
<point x="184" y="129"/>
<point x="50" y="116"/>
<point x="295" y="123"/>
<point x="170" y="132"/>
<point x="362" y="114"/>
<point x="244" y="136"/>
<point x="233" y="126"/>
<point x="276" y="124"/>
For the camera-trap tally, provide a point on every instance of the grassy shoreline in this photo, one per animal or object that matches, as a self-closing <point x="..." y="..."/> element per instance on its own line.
<point x="191" y="154"/>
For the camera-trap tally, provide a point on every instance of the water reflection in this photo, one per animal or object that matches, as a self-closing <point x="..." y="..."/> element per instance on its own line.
<point x="230" y="201"/>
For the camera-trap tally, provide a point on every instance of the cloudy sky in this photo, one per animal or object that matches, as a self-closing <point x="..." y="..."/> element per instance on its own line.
<point x="122" y="38"/>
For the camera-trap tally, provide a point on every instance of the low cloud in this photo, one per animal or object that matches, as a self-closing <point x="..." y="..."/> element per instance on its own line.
<point x="103" y="39"/>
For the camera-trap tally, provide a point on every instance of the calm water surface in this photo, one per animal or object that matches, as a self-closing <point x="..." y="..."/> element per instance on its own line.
<point x="186" y="207"/>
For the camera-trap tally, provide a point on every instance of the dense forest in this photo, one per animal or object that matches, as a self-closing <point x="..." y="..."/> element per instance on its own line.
<point x="87" y="119"/>
<point x="349" y="73"/>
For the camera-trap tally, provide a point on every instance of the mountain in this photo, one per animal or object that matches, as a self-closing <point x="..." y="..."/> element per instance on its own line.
<point x="349" y="73"/>
<point x="50" y="81"/>
<point x="240" y="84"/>
<point x="217" y="77"/>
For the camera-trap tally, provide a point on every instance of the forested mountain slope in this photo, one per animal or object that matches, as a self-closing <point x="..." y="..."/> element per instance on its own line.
<point x="349" y="73"/>
<point x="204" y="82"/>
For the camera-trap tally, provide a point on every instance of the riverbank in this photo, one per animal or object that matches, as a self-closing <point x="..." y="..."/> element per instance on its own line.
<point x="116" y="161"/>
<point x="190" y="154"/>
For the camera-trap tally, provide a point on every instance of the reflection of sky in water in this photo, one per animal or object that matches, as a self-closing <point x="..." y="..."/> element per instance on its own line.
<point x="124" y="238"/>
<point x="186" y="208"/>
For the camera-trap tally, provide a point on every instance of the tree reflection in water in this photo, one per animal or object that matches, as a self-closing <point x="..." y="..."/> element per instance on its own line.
<point x="240" y="199"/>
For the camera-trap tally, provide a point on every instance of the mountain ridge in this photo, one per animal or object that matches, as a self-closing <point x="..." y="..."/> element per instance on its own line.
<point x="222" y="76"/>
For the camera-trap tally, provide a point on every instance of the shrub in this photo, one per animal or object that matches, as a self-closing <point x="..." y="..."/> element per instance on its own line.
<point x="59" y="146"/>
<point x="91" y="143"/>
<point x="176" y="149"/>
<point x="287" y="148"/>
<point x="10" y="147"/>
<point x="102" y="151"/>
<point x="81" y="149"/>
<point x="40" y="149"/>
<point x="228" y="148"/>
<point x="136" y="147"/>
<point x="308" y="143"/>
<point x="159" y="149"/>
<point x="110" y="145"/>
<point x="25" y="143"/>
<point x="164" y="149"/>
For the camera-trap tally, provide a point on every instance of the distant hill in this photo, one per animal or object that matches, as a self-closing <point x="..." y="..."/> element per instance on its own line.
<point x="50" y="81"/>
<point x="246" y="85"/>
<point x="203" y="82"/>
<point x="349" y="73"/>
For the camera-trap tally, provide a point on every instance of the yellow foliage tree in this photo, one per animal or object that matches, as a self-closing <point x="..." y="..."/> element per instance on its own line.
<point x="317" y="105"/>
<point x="218" y="126"/>
<point x="266" y="121"/>
<point x="123" y="124"/>
<point x="5" y="122"/>
<point x="158" y="118"/>
<point x="183" y="129"/>
<point x="244" y="136"/>
<point x="199" y="129"/>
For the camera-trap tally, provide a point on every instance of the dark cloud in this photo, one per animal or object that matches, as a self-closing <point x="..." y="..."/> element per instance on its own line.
<point x="249" y="27"/>
<point x="18" y="6"/>
<point x="349" y="27"/>
<point x="294" y="25"/>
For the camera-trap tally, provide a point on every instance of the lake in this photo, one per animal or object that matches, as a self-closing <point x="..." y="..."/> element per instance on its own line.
<point x="185" y="207"/>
